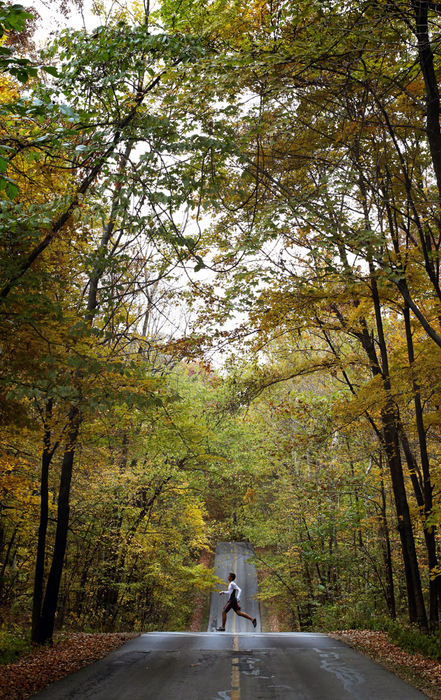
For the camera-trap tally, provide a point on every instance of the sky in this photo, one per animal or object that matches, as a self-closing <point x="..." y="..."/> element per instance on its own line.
<point x="52" y="19"/>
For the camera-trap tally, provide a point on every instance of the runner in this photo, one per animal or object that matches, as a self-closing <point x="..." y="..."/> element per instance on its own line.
<point x="233" y="602"/>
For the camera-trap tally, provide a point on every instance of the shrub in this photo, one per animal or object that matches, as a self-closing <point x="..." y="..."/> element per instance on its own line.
<point x="13" y="643"/>
<point x="413" y="640"/>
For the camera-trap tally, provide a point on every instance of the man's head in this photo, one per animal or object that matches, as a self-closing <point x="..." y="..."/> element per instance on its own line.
<point x="231" y="576"/>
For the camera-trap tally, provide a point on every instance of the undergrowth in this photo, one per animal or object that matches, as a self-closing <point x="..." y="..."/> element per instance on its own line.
<point x="412" y="639"/>
<point x="13" y="644"/>
<point x="399" y="632"/>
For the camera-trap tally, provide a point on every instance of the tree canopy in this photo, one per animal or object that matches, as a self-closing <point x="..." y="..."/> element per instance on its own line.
<point x="220" y="309"/>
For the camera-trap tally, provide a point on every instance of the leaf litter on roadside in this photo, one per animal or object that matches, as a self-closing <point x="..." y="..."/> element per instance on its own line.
<point x="23" y="678"/>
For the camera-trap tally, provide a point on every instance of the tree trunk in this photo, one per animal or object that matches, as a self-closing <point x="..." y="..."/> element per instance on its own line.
<point x="425" y="56"/>
<point x="44" y="629"/>
<point x="417" y="611"/>
<point x="390" y="424"/>
<point x="46" y="458"/>
<point x="387" y="552"/>
<point x="3" y="597"/>
<point x="427" y="488"/>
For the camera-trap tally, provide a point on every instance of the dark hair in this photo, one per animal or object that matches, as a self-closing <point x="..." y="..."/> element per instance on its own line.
<point x="233" y="576"/>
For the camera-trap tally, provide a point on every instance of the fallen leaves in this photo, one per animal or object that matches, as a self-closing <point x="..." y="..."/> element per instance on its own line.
<point x="25" y="677"/>
<point x="416" y="669"/>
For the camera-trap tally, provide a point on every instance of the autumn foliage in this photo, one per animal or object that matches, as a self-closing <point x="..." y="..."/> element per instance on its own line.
<point x="220" y="313"/>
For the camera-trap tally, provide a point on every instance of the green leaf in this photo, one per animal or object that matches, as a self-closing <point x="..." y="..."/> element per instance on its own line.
<point x="51" y="70"/>
<point x="12" y="190"/>
<point x="68" y="111"/>
<point x="19" y="73"/>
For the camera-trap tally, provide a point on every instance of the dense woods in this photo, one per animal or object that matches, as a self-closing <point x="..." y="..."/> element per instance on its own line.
<point x="220" y="311"/>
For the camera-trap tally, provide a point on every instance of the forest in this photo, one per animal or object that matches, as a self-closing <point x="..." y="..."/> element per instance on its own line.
<point x="220" y="311"/>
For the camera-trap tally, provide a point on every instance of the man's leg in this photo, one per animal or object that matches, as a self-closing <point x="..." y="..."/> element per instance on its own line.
<point x="242" y="614"/>
<point x="224" y="619"/>
<point x="248" y="617"/>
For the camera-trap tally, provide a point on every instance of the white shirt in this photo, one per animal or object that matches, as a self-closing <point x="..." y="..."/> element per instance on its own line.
<point x="233" y="587"/>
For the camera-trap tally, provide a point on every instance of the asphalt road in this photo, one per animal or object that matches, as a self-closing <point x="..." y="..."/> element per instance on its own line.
<point x="233" y="556"/>
<point x="232" y="665"/>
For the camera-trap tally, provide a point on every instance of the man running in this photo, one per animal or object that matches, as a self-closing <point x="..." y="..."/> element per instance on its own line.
<point x="233" y="594"/>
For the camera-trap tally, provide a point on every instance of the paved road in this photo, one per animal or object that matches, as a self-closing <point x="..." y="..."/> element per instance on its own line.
<point x="232" y="666"/>
<point x="233" y="556"/>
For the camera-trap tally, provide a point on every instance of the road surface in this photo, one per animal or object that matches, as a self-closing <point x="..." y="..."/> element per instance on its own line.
<point x="233" y="556"/>
<point x="235" y="665"/>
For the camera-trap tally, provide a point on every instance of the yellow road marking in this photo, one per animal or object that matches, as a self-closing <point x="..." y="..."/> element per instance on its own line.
<point x="235" y="672"/>
<point x="235" y="571"/>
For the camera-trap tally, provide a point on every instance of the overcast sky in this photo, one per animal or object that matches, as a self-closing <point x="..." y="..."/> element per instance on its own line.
<point x="52" y="20"/>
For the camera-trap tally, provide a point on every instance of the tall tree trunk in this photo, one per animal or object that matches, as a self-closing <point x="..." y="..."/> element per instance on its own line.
<point x="389" y="437"/>
<point x="387" y="551"/>
<point x="416" y="606"/>
<point x="390" y="433"/>
<point x="390" y="423"/>
<point x="425" y="57"/>
<point x="423" y="495"/>
<point x="429" y="533"/>
<point x="45" y="627"/>
<point x="46" y="458"/>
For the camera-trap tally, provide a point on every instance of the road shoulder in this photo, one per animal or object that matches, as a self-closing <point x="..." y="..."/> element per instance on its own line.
<point x="31" y="673"/>
<point x="419" y="671"/>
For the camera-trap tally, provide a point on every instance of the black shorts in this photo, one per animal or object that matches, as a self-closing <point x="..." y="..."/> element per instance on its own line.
<point x="232" y="605"/>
